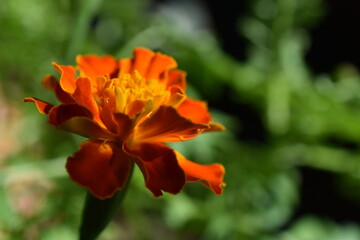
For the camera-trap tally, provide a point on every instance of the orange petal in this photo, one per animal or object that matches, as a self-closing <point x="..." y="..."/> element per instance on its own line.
<point x="159" y="165"/>
<point x="141" y="60"/>
<point x="209" y="175"/>
<point x="135" y="107"/>
<point x="84" y="96"/>
<point x="166" y="125"/>
<point x="64" y="112"/>
<point x="43" y="107"/>
<point x="67" y="79"/>
<point x="124" y="66"/>
<point x="51" y="83"/>
<point x="93" y="66"/>
<point x="177" y="78"/>
<point x="194" y="110"/>
<point x="102" y="168"/>
<point x="159" y="64"/>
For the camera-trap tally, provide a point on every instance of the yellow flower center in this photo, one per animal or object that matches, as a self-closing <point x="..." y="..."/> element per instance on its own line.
<point x="132" y="93"/>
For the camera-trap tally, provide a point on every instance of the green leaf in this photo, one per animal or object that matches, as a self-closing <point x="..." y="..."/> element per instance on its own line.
<point x="98" y="213"/>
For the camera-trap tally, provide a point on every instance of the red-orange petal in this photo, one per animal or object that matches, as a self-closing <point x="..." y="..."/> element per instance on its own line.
<point x="93" y="66"/>
<point x="50" y="82"/>
<point x="159" y="166"/>
<point x="83" y="96"/>
<point x="166" y="125"/>
<point x="141" y="61"/>
<point x="64" y="112"/>
<point x="194" y="110"/>
<point x="177" y="78"/>
<point x="43" y="107"/>
<point x="67" y="79"/>
<point x="210" y="176"/>
<point x="101" y="167"/>
<point x="124" y="66"/>
<point x="159" y="64"/>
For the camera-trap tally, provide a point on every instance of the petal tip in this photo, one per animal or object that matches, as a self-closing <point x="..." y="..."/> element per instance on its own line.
<point x="215" y="127"/>
<point x="43" y="107"/>
<point x="55" y="64"/>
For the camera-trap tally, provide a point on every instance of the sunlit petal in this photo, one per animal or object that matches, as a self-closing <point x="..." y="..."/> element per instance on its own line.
<point x="194" y="110"/>
<point x="124" y="66"/>
<point x="166" y="125"/>
<point x="209" y="175"/>
<point x="159" y="64"/>
<point x="93" y="65"/>
<point x="67" y="78"/>
<point x="142" y="60"/>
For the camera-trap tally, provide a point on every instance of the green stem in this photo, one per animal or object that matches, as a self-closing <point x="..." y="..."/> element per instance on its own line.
<point x="98" y="213"/>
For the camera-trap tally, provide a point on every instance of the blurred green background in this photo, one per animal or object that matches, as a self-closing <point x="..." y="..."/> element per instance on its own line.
<point x="281" y="75"/>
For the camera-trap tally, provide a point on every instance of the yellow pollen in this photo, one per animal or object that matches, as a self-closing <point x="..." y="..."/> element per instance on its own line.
<point x="124" y="91"/>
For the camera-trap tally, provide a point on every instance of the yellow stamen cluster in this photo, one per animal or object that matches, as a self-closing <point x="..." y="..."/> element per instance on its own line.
<point x="133" y="91"/>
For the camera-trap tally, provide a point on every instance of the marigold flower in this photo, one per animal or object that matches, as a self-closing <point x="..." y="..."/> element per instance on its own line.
<point x="128" y="109"/>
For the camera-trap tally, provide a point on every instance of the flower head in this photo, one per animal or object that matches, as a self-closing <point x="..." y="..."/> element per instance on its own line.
<point x="128" y="109"/>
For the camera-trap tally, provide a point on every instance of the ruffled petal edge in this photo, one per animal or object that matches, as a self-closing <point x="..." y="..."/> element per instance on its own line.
<point x="211" y="176"/>
<point x="100" y="167"/>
